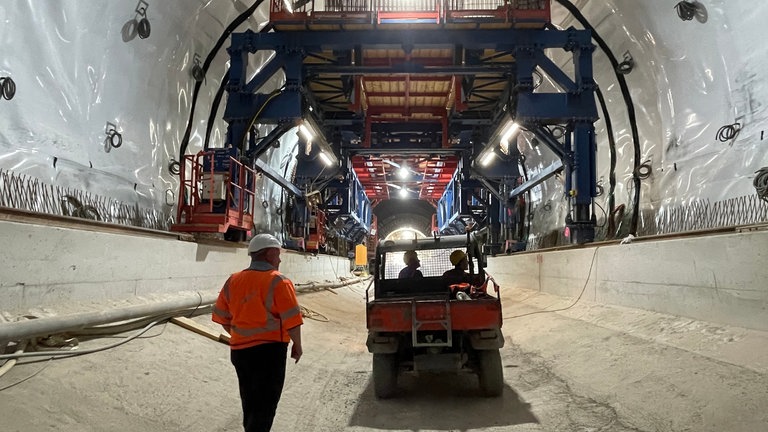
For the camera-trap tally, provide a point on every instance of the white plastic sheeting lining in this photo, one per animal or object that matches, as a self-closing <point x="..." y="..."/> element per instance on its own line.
<point x="81" y="69"/>
<point x="690" y="78"/>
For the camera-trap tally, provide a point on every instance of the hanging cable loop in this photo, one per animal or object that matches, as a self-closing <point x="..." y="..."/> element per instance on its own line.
<point x="644" y="170"/>
<point x="114" y="138"/>
<point x="174" y="167"/>
<point x="144" y="29"/>
<point x="7" y="88"/>
<point x="761" y="183"/>
<point x="686" y="10"/>
<point x="728" y="132"/>
<point x="627" y="65"/>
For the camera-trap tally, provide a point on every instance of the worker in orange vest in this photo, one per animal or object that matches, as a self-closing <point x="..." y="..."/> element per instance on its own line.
<point x="258" y="307"/>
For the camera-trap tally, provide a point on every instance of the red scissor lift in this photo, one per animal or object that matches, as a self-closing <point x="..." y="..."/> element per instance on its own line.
<point x="217" y="195"/>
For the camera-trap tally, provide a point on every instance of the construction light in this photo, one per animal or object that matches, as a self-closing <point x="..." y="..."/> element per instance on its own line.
<point x="403" y="172"/>
<point x="509" y="131"/>
<point x="487" y="159"/>
<point x="306" y="133"/>
<point x="324" y="157"/>
<point x="403" y="192"/>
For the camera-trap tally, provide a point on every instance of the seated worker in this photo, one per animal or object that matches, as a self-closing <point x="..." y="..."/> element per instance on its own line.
<point x="458" y="274"/>
<point x="412" y="262"/>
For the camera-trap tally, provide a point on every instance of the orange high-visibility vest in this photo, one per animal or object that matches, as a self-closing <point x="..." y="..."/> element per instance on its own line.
<point x="259" y="304"/>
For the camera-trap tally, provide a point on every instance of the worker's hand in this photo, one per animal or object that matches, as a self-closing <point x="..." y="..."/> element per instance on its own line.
<point x="296" y="352"/>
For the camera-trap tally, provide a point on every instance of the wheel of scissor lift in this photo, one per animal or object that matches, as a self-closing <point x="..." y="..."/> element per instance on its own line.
<point x="490" y="372"/>
<point x="384" y="375"/>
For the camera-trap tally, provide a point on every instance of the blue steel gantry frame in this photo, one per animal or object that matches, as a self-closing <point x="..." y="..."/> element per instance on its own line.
<point x="533" y="109"/>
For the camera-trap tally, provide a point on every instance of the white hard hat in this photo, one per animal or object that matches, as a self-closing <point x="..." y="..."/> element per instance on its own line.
<point x="263" y="241"/>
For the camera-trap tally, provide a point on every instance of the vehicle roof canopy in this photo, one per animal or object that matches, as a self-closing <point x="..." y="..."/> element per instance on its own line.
<point x="444" y="242"/>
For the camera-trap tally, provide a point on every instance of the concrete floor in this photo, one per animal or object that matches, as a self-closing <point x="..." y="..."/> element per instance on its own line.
<point x="585" y="368"/>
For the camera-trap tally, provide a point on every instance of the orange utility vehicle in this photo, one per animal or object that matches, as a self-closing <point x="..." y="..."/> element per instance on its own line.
<point x="422" y="325"/>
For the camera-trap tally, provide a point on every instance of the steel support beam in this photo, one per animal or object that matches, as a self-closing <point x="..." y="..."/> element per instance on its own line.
<point x="537" y="179"/>
<point x="275" y="176"/>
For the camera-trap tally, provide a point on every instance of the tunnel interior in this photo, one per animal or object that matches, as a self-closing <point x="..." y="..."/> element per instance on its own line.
<point x="613" y="153"/>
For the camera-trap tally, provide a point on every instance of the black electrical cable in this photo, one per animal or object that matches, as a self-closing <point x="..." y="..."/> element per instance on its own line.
<point x="529" y="216"/>
<point x="644" y="170"/>
<point x="143" y="28"/>
<point x="686" y="10"/>
<point x="215" y="109"/>
<point x="605" y="222"/>
<point x="217" y="100"/>
<point x="627" y="65"/>
<point x="197" y="73"/>
<point x="627" y="100"/>
<point x="728" y="132"/>
<point x="206" y="64"/>
<point x="761" y="183"/>
<point x="282" y="191"/>
<point x="611" y="149"/>
<point x="7" y="88"/>
<point x="111" y="135"/>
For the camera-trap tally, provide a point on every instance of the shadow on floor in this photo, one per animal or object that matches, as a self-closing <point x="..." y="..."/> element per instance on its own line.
<point x="440" y="402"/>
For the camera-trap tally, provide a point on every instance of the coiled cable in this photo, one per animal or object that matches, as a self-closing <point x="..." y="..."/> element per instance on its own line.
<point x="728" y="132"/>
<point x="7" y="88"/>
<point x="686" y="10"/>
<point x="644" y="170"/>
<point x="761" y="183"/>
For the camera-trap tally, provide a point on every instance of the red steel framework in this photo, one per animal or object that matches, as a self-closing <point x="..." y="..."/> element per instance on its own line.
<point x="428" y="176"/>
<point x="200" y="211"/>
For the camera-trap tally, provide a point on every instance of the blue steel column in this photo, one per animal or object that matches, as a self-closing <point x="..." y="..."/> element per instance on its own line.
<point x="581" y="179"/>
<point x="581" y="222"/>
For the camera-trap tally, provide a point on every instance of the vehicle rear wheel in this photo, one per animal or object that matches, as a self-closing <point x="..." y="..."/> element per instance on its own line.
<point x="490" y="372"/>
<point x="384" y="375"/>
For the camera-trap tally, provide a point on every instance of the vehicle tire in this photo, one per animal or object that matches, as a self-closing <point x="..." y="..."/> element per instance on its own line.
<point x="490" y="372"/>
<point x="384" y="375"/>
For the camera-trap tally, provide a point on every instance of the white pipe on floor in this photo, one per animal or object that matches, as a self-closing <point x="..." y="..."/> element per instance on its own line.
<point x="22" y="330"/>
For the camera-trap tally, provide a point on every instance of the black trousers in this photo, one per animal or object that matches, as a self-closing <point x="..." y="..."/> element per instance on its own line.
<point x="261" y="374"/>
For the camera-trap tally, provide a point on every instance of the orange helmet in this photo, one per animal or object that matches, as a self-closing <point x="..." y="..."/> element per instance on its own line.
<point x="457" y="256"/>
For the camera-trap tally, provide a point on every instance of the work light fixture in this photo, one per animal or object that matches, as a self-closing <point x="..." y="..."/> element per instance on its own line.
<point x="312" y="136"/>
<point x="403" y="172"/>
<point x="327" y="160"/>
<point x="306" y="133"/>
<point x="487" y="158"/>
<point x="502" y="136"/>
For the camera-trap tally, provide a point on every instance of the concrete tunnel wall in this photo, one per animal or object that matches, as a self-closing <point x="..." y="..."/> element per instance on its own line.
<point x="721" y="278"/>
<point x="56" y="268"/>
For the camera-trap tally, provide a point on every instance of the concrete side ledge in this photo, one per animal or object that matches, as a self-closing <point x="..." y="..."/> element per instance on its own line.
<point x="52" y="267"/>
<point x="720" y="278"/>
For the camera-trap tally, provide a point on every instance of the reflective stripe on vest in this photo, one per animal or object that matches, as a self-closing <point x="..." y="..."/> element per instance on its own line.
<point x="222" y="313"/>
<point x="290" y="313"/>
<point x="272" y="323"/>
<point x="225" y="289"/>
